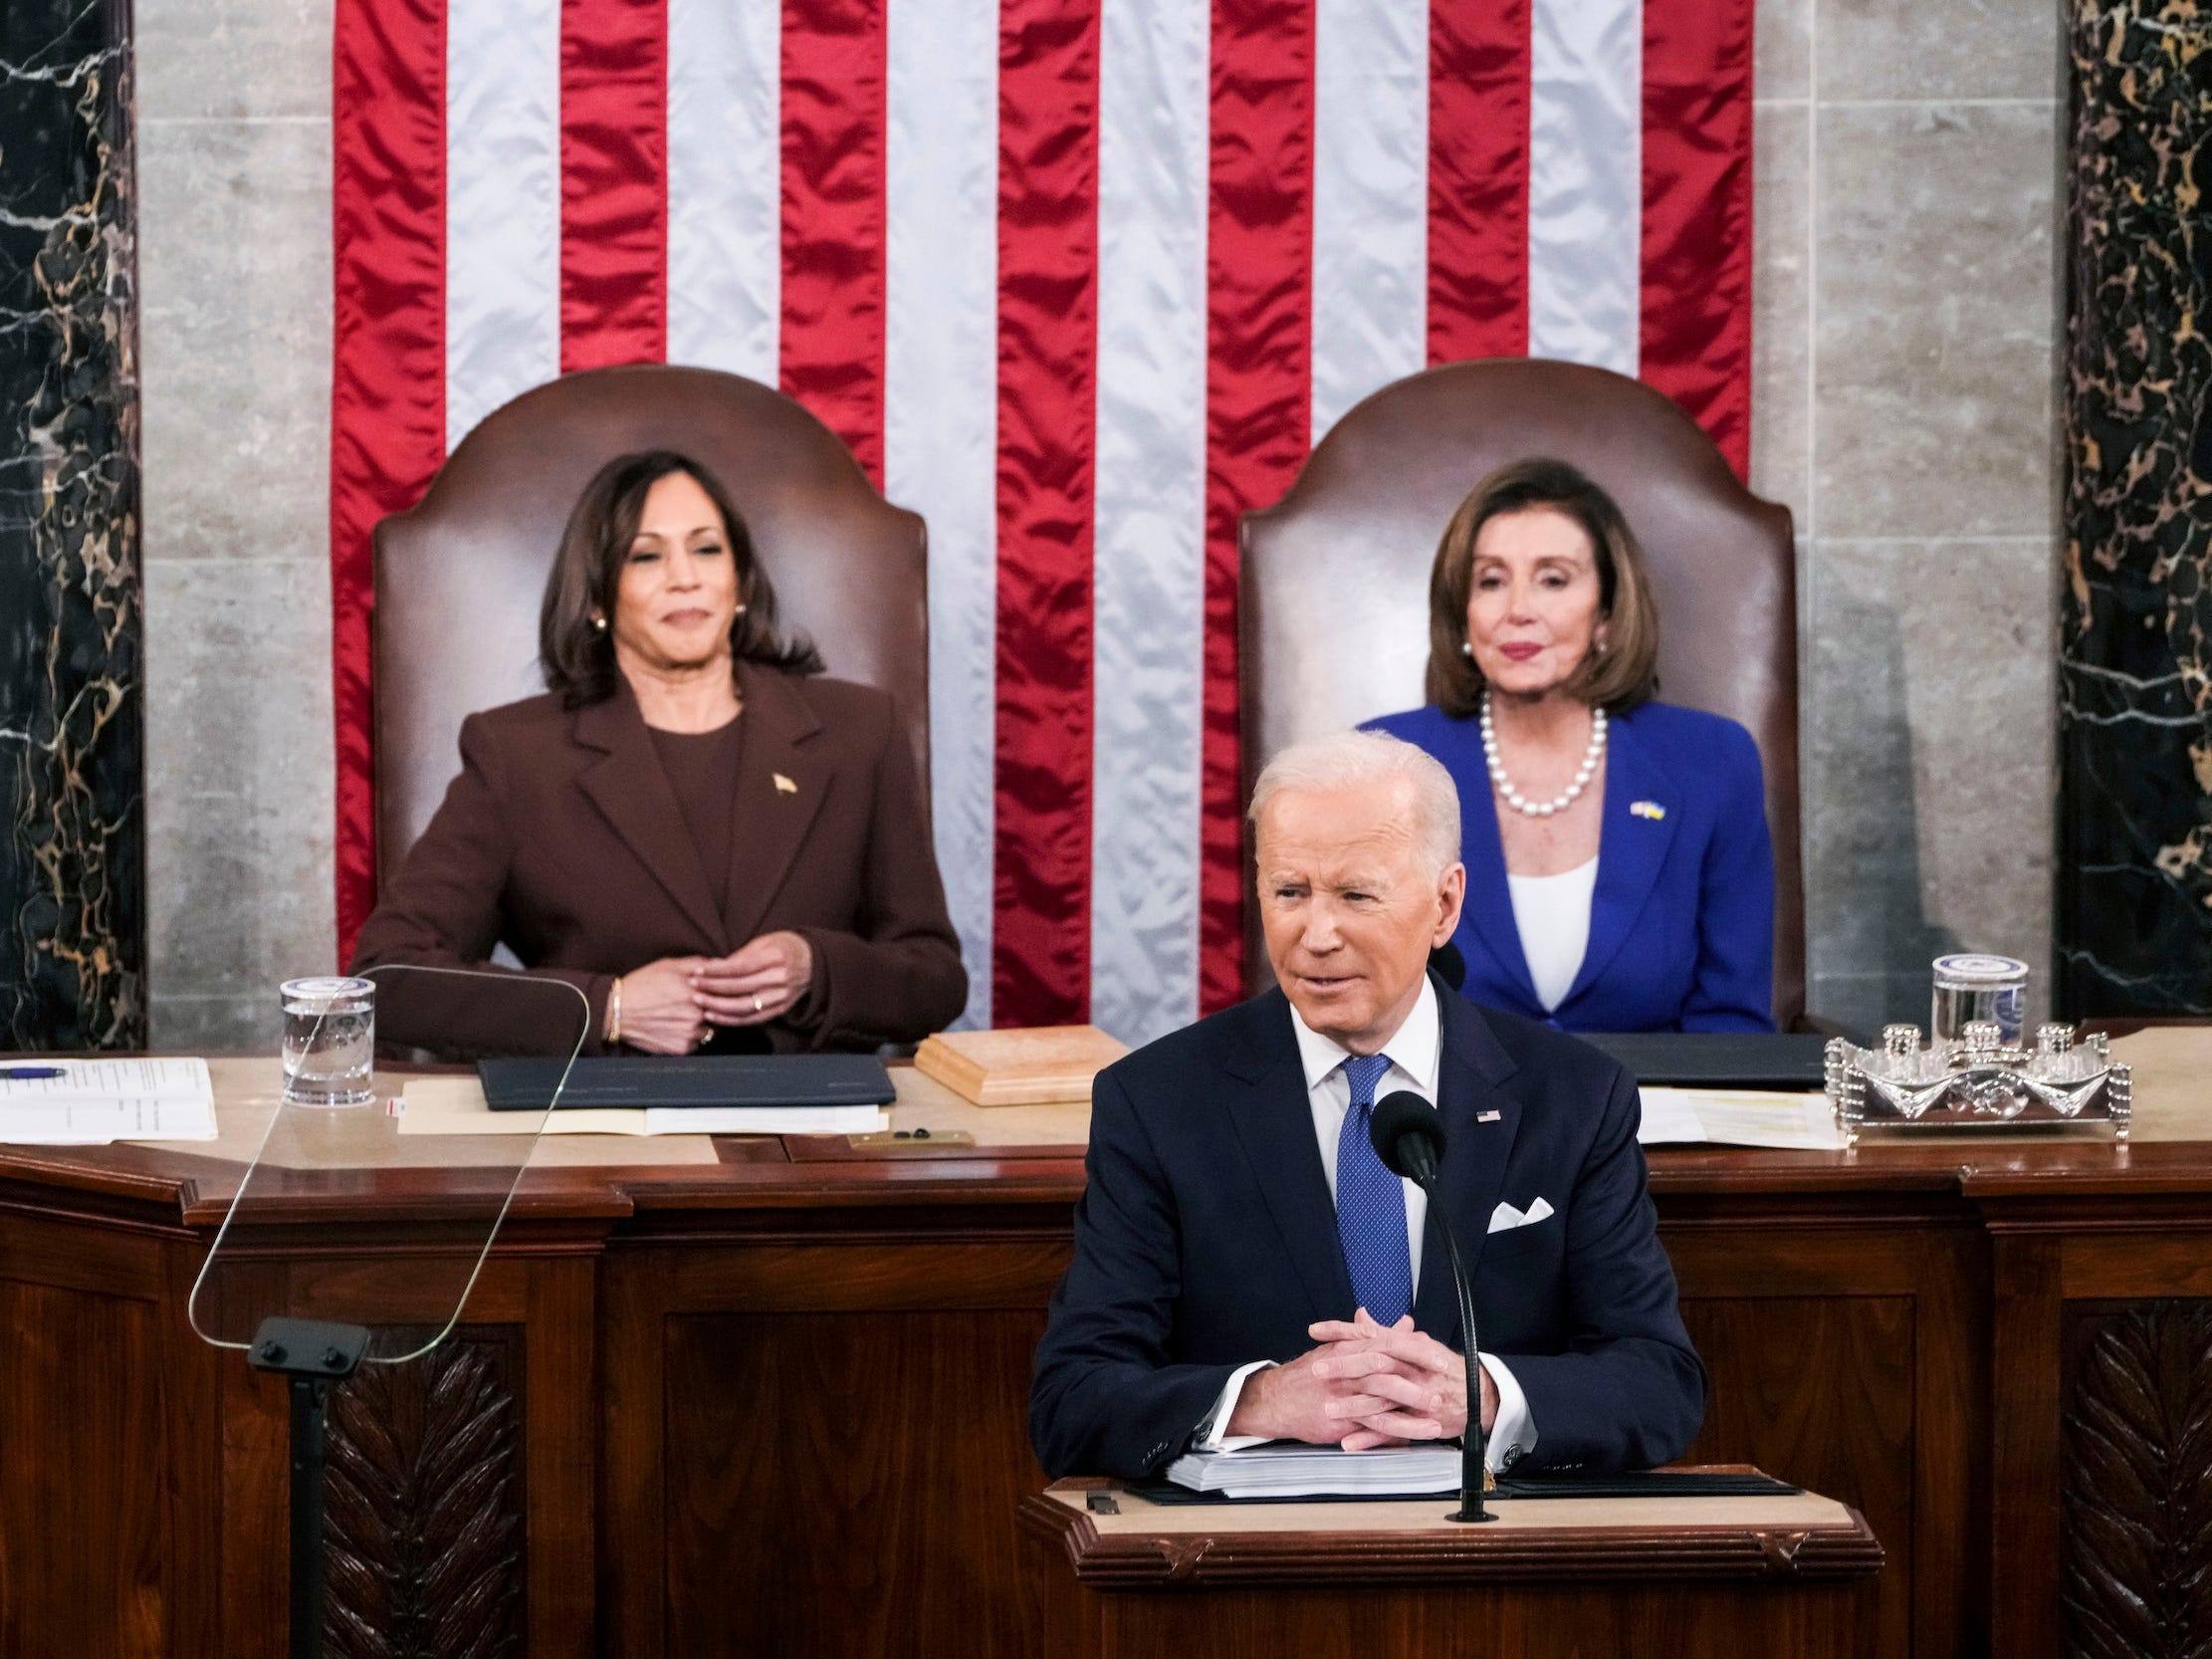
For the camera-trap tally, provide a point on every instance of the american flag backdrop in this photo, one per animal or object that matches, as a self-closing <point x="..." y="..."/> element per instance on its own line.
<point x="1079" y="279"/>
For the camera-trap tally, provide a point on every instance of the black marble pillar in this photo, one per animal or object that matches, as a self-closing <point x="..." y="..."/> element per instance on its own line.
<point x="72" y="707"/>
<point x="2134" y="844"/>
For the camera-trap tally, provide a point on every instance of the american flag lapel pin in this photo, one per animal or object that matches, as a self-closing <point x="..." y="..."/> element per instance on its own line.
<point x="783" y="785"/>
<point x="1646" y="808"/>
<point x="1485" y="1118"/>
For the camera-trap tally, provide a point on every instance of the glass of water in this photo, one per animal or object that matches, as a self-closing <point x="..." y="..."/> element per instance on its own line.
<point x="330" y="1042"/>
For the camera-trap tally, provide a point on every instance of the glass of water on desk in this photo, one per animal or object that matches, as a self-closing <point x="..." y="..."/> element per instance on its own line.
<point x="330" y="1042"/>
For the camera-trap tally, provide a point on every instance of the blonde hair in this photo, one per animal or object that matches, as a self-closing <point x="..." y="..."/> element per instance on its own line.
<point x="1368" y="760"/>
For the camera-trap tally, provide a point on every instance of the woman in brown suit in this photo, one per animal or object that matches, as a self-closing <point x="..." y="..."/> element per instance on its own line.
<point x="718" y="848"/>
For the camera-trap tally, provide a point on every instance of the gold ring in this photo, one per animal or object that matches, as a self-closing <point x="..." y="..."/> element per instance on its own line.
<point x="756" y="1001"/>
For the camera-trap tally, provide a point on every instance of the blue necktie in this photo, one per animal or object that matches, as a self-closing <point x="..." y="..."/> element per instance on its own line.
<point x="1371" y="1204"/>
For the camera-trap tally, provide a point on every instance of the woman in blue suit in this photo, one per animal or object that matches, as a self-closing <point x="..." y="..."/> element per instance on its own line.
<point x="1619" y="875"/>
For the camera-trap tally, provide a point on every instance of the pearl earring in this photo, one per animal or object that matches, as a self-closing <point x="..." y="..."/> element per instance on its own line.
<point x="1466" y="647"/>
<point x="598" y="622"/>
<point x="741" y="607"/>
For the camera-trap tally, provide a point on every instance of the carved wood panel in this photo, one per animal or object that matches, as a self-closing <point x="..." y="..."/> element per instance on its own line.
<point x="424" y="1548"/>
<point x="2135" y="1481"/>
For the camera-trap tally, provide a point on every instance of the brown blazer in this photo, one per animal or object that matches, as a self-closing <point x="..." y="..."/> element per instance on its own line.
<point x="562" y="840"/>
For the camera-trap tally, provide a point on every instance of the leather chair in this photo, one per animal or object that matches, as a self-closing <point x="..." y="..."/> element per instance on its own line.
<point x="459" y="575"/>
<point x="1344" y="556"/>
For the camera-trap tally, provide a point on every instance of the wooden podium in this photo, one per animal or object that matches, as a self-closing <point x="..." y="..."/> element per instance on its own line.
<point x="1677" y="1577"/>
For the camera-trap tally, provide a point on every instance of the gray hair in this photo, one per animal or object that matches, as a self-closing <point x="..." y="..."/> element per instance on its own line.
<point x="1369" y="759"/>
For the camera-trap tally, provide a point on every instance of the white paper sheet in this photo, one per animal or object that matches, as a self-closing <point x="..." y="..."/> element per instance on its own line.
<point x="455" y="1107"/>
<point x="95" y="1101"/>
<point x="1739" y="1117"/>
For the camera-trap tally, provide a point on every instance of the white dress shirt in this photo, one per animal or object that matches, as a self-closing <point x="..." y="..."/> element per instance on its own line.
<point x="1413" y="1053"/>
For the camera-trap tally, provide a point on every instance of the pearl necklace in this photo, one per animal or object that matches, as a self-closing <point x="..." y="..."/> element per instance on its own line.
<point x="1514" y="797"/>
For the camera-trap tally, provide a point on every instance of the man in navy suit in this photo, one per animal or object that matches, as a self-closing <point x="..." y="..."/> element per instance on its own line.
<point x="1246" y="1268"/>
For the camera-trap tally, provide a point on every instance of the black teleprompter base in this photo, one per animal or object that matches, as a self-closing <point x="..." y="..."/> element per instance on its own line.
<point x="312" y="1355"/>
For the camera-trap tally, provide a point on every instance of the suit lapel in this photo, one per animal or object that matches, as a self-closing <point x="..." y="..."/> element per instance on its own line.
<point x="1273" y="1120"/>
<point x="1488" y="910"/>
<point x="631" y="792"/>
<point x="1631" y="847"/>
<point x="1470" y="1069"/>
<point x="780" y="787"/>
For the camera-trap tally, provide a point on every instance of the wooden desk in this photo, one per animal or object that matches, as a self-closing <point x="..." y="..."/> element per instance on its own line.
<point x="1559" y="1576"/>
<point x="775" y="1401"/>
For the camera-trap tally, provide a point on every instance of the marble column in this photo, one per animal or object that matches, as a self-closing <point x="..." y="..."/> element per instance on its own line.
<point x="2135" y="875"/>
<point x="72" y="721"/>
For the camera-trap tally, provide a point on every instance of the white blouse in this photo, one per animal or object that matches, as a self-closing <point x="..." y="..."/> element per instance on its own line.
<point x="1552" y="913"/>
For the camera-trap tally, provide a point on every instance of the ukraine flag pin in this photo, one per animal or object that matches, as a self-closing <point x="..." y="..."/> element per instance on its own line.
<point x="1646" y="808"/>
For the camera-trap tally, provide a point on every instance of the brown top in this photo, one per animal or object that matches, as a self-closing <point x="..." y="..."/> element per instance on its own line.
<point x="702" y="768"/>
<point x="565" y="839"/>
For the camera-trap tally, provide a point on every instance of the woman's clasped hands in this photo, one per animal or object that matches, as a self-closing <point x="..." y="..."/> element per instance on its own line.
<point x="672" y="1006"/>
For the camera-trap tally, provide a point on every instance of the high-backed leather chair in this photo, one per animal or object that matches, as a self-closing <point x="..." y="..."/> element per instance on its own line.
<point x="459" y="575"/>
<point x="1335" y="583"/>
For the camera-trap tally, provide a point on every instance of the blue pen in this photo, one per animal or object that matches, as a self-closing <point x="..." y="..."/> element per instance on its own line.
<point x="29" y="1073"/>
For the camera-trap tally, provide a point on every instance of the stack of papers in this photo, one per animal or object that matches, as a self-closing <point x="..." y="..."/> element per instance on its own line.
<point x="1739" y="1117"/>
<point x="1285" y="1468"/>
<point x="90" y="1102"/>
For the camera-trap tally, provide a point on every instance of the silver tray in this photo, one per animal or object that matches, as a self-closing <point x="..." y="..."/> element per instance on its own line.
<point x="1977" y="1083"/>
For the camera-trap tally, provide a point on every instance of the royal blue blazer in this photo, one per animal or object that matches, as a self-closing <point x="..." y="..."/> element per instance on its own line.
<point x="1682" y="923"/>
<point x="1206" y="1238"/>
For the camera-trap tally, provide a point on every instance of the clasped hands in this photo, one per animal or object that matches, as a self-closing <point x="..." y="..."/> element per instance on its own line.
<point x="1365" y="1385"/>
<point x="671" y="1005"/>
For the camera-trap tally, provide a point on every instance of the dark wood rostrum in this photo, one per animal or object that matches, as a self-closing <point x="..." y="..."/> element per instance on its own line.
<point x="1794" y="1574"/>
<point x="776" y="1403"/>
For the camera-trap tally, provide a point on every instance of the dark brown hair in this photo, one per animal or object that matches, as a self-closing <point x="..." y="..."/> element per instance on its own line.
<point x="1625" y="674"/>
<point x="578" y="658"/>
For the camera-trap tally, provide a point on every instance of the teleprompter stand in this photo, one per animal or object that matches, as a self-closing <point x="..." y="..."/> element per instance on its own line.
<point x="265" y="1290"/>
<point x="311" y="1356"/>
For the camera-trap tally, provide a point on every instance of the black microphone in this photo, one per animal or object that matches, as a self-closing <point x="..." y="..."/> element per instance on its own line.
<point x="1408" y="1133"/>
<point x="1409" y="1138"/>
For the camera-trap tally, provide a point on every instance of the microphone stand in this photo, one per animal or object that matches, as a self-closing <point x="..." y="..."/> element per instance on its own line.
<point x="1475" y="1443"/>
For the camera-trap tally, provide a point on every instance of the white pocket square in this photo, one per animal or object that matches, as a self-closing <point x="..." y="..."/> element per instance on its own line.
<point x="1505" y="1218"/>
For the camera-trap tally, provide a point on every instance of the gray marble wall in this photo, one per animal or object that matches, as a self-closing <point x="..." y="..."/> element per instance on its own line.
<point x="234" y="135"/>
<point x="1907" y="348"/>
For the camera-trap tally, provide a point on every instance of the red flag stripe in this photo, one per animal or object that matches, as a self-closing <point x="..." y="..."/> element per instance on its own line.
<point x="1695" y="323"/>
<point x="1479" y="107"/>
<point x="387" y="385"/>
<point x="1260" y="392"/>
<point x="613" y="182"/>
<point x="831" y="349"/>
<point x="1047" y="386"/>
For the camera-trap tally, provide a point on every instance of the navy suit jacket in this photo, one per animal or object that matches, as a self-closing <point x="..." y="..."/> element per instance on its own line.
<point x="1681" y="924"/>
<point x="1206" y="1239"/>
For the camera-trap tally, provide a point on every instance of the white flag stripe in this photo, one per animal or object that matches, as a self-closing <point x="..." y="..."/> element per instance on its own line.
<point x="1586" y="181"/>
<point x="725" y="186"/>
<point x="1370" y="199"/>
<point x="1148" y="564"/>
<point x="503" y="204"/>
<point x="941" y="424"/>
